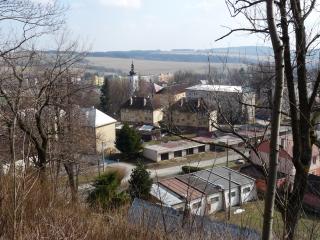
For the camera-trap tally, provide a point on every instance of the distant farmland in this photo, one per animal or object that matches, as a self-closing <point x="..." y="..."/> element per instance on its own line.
<point x="145" y="67"/>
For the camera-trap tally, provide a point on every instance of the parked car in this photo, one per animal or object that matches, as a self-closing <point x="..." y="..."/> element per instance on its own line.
<point x="240" y="161"/>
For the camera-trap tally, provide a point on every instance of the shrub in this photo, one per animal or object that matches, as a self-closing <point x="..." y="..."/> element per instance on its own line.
<point x="105" y="193"/>
<point x="190" y="169"/>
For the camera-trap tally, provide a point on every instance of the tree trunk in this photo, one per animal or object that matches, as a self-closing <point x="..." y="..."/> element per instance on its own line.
<point x="275" y="123"/>
<point x="69" y="167"/>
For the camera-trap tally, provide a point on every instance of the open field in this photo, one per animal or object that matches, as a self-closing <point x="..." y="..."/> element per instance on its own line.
<point x="146" y="67"/>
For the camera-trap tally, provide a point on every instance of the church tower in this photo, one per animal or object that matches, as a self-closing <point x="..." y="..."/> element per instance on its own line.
<point x="133" y="80"/>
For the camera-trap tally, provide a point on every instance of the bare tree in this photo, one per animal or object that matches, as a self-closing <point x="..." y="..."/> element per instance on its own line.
<point x="284" y="22"/>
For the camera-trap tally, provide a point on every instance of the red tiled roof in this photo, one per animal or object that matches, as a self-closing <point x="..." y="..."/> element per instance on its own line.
<point x="181" y="189"/>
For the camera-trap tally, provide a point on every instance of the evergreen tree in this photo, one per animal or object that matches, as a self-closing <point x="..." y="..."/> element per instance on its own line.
<point x="104" y="96"/>
<point x="105" y="193"/>
<point x="128" y="141"/>
<point x="140" y="182"/>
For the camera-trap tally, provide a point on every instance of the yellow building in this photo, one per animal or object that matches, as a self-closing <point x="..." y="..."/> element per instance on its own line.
<point x="97" y="80"/>
<point x="102" y="128"/>
<point x="191" y="114"/>
<point x="141" y="110"/>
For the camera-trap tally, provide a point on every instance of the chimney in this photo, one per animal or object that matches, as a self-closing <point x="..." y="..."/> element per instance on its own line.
<point x="131" y="101"/>
<point x="144" y="102"/>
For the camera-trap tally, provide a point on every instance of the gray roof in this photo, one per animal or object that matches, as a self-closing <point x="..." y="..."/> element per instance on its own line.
<point x="219" y="176"/>
<point x="199" y="184"/>
<point x="153" y="217"/>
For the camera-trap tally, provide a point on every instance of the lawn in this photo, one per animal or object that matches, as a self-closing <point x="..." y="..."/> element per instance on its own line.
<point x="309" y="227"/>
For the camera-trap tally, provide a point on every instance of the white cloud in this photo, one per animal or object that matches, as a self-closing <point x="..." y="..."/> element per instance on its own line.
<point x="122" y="3"/>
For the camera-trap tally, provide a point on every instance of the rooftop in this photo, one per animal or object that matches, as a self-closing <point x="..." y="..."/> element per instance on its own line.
<point x="219" y="176"/>
<point x="173" y="146"/>
<point x="96" y="118"/>
<point x="199" y="184"/>
<point x="182" y="189"/>
<point x="191" y="106"/>
<point x="166" y="197"/>
<point x="153" y="216"/>
<point x="216" y="88"/>
<point x="141" y="103"/>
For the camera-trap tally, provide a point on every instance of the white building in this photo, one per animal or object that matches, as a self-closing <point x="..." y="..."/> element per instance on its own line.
<point x="232" y="100"/>
<point x="173" y="149"/>
<point x="102" y="129"/>
<point x="205" y="192"/>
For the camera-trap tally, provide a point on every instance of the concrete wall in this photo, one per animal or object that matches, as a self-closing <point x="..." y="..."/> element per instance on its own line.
<point x="106" y="135"/>
<point x="193" y="119"/>
<point x="151" y="154"/>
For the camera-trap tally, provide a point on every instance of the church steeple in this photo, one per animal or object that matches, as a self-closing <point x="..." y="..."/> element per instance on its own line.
<point x="132" y="73"/>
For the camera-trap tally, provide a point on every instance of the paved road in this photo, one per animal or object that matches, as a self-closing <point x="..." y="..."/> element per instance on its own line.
<point x="169" y="171"/>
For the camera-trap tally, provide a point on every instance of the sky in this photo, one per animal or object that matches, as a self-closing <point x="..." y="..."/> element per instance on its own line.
<point x="112" y="25"/>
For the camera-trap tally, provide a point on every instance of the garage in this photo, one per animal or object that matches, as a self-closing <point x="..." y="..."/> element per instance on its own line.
<point x="164" y="156"/>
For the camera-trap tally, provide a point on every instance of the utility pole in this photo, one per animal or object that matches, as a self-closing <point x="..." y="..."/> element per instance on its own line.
<point x="229" y="212"/>
<point x="227" y="153"/>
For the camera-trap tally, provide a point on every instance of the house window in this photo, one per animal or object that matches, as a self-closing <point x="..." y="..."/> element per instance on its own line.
<point x="233" y="194"/>
<point x="314" y="160"/>
<point x="165" y="156"/>
<point x="189" y="151"/>
<point x="178" y="154"/>
<point x="246" y="190"/>
<point x="214" y="200"/>
<point x="196" y="205"/>
<point x="201" y="149"/>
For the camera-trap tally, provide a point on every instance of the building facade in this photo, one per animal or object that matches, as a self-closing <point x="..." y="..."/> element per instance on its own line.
<point x="101" y="129"/>
<point x="173" y="149"/>
<point x="141" y="110"/>
<point x="192" y="114"/>
<point x="232" y="103"/>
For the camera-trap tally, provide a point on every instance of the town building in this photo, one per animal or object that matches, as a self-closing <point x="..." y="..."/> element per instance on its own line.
<point x="192" y="114"/>
<point x="173" y="149"/>
<point x="285" y="164"/>
<point x="101" y="129"/>
<point x="141" y="110"/>
<point x="233" y="103"/>
<point x="207" y="191"/>
<point x="97" y="80"/>
<point x="171" y="94"/>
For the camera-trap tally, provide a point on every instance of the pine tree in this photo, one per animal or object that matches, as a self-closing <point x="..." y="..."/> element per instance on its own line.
<point x="128" y="141"/>
<point x="140" y="182"/>
<point x="104" y="96"/>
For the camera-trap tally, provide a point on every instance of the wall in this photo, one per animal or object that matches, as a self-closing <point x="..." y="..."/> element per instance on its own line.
<point x="151" y="154"/>
<point x="141" y="116"/>
<point x="106" y="135"/>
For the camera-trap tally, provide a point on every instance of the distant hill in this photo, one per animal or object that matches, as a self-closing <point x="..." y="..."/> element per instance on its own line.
<point x="248" y="54"/>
